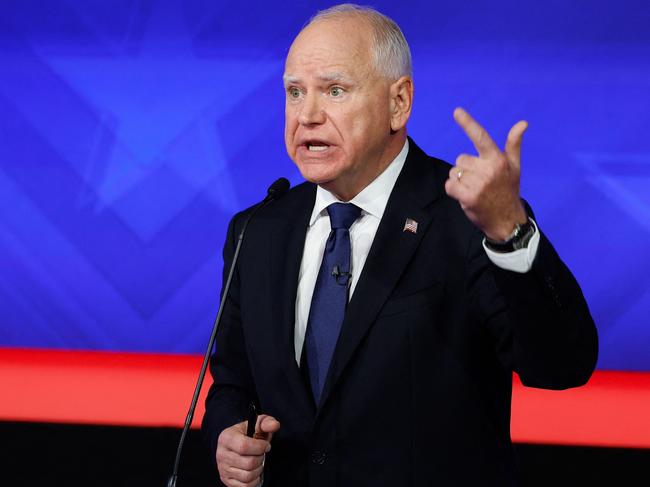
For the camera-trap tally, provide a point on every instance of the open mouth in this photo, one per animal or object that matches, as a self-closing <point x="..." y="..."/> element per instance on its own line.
<point x="316" y="145"/>
<point x="317" y="148"/>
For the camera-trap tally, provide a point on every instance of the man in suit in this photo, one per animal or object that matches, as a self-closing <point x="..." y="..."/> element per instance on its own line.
<point x="401" y="375"/>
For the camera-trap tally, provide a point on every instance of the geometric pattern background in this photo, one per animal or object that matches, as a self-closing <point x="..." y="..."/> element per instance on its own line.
<point x="131" y="131"/>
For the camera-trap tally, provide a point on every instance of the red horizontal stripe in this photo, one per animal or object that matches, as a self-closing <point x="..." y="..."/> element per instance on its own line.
<point x="613" y="409"/>
<point x="98" y="387"/>
<point x="155" y="390"/>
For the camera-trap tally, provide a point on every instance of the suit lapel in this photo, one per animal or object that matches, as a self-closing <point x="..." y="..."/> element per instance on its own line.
<point x="285" y="249"/>
<point x="391" y="251"/>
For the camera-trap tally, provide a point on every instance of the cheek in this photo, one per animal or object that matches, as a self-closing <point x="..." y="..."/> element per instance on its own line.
<point x="366" y="115"/>
<point x="363" y="127"/>
<point x="348" y="124"/>
<point x="290" y="126"/>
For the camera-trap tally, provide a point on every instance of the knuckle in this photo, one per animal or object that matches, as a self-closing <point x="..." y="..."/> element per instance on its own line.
<point x="464" y="160"/>
<point x="221" y="454"/>
<point x="223" y="437"/>
<point x="227" y="436"/>
<point x="239" y="445"/>
<point x="248" y="476"/>
<point x="491" y="171"/>
<point x="449" y="188"/>
<point x="249" y="463"/>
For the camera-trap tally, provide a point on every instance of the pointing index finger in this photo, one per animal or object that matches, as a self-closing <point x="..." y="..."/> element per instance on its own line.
<point x="476" y="133"/>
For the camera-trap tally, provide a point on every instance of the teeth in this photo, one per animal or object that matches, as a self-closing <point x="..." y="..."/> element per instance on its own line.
<point x="317" y="148"/>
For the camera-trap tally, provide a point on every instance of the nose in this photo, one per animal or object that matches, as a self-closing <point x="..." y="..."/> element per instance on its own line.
<point x="311" y="111"/>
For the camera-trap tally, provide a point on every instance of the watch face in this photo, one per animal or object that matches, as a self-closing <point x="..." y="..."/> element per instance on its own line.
<point x="517" y="240"/>
<point x="524" y="233"/>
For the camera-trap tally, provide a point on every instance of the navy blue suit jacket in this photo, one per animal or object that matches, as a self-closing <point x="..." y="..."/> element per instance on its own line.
<point x="419" y="388"/>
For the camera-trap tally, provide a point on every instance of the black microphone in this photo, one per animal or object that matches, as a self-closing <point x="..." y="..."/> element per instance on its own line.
<point x="275" y="191"/>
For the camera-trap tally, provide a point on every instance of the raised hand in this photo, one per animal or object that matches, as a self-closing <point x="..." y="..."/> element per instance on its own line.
<point x="487" y="186"/>
<point x="240" y="459"/>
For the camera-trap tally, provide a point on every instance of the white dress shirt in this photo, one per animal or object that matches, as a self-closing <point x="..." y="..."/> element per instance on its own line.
<point x="372" y="201"/>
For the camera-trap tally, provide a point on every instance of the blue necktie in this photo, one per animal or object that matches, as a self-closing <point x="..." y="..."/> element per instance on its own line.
<point x="330" y="296"/>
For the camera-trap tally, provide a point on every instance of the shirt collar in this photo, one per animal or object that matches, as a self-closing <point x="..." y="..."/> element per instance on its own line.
<point x="373" y="198"/>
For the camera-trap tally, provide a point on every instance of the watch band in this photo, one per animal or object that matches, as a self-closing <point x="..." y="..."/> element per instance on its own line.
<point x="518" y="239"/>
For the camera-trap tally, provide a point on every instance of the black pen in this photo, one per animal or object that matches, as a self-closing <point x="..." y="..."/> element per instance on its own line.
<point x="252" y="420"/>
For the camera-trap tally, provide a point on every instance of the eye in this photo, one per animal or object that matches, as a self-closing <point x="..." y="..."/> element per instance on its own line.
<point x="336" y="91"/>
<point x="293" y="92"/>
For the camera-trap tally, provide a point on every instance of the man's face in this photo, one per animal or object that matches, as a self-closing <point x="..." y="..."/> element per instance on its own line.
<point x="337" y="126"/>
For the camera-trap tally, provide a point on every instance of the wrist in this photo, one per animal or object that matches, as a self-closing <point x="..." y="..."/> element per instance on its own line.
<point x="503" y="229"/>
<point x="516" y="240"/>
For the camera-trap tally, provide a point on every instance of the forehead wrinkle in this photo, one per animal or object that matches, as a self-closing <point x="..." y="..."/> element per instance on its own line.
<point x="334" y="76"/>
<point x="327" y="77"/>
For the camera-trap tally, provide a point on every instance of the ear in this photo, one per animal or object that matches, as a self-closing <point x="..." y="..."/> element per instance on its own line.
<point x="401" y="101"/>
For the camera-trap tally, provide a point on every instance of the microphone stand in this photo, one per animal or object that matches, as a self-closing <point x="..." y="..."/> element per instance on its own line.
<point x="275" y="191"/>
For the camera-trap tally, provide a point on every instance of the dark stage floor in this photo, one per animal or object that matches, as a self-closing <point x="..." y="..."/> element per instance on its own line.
<point x="34" y="454"/>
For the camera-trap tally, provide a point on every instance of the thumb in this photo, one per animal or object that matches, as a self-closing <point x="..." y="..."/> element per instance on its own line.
<point x="266" y="426"/>
<point x="513" y="142"/>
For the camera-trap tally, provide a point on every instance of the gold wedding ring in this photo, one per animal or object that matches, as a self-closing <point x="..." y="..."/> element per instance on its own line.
<point x="459" y="174"/>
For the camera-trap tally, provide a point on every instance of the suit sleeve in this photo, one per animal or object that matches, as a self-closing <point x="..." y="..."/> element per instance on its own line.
<point x="232" y="388"/>
<point x="540" y="320"/>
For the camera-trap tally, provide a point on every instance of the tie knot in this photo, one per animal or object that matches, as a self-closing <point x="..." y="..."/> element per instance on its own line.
<point x="343" y="215"/>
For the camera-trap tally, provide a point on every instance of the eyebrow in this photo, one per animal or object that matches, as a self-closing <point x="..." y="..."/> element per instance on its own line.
<point x="326" y="77"/>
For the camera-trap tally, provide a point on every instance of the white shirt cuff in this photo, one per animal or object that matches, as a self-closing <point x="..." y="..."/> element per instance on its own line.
<point x="519" y="260"/>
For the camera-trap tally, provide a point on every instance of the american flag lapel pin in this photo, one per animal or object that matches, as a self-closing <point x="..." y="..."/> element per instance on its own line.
<point x="410" y="226"/>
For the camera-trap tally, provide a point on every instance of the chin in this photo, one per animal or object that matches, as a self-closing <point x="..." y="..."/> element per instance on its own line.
<point x="318" y="171"/>
<point x="316" y="175"/>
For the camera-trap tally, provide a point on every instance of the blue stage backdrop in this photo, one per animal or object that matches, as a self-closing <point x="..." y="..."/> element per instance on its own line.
<point x="131" y="131"/>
